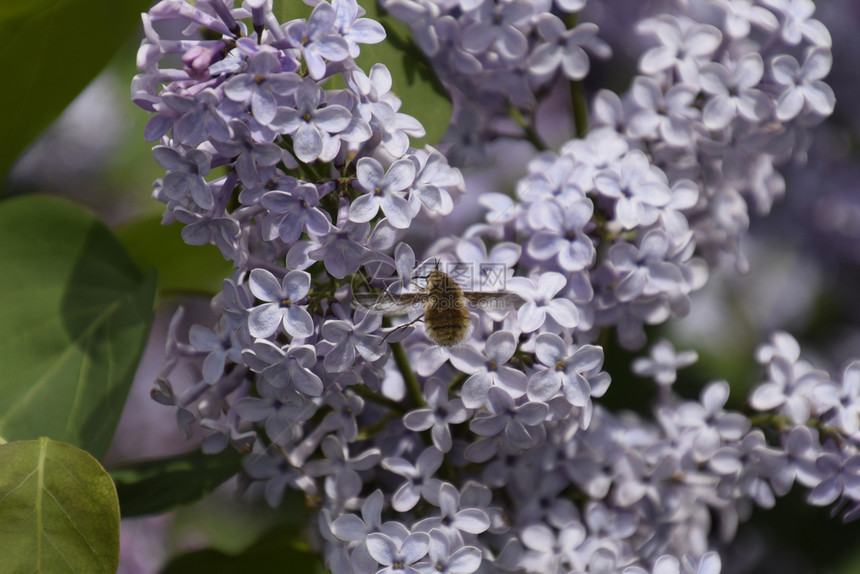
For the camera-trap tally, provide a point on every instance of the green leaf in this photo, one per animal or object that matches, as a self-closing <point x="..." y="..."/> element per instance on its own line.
<point x="279" y="550"/>
<point x="53" y="49"/>
<point x="153" y="486"/>
<point x="286" y="10"/>
<point x="181" y="267"/>
<point x="59" y="510"/>
<point x="414" y="80"/>
<point x="74" y="321"/>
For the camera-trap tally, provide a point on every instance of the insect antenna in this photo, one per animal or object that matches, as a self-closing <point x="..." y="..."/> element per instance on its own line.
<point x="424" y="266"/>
<point x="403" y="326"/>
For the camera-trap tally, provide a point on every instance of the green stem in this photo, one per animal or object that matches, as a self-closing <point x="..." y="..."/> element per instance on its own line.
<point x="412" y="386"/>
<point x="577" y="92"/>
<point x="782" y="422"/>
<point x="457" y="381"/>
<point x="308" y="169"/>
<point x="603" y="337"/>
<point x="377" y="398"/>
<point x="768" y="418"/>
<point x="528" y="128"/>
<point x="580" y="109"/>
<point x="373" y="430"/>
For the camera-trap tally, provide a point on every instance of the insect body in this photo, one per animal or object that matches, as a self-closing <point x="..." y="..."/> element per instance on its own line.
<point x="446" y="313"/>
<point x="446" y="306"/>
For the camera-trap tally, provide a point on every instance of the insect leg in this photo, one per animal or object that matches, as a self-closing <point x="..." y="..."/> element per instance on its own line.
<point x="403" y="326"/>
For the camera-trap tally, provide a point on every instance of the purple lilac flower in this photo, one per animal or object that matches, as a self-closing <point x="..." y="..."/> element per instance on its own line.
<point x="434" y="180"/>
<point x="666" y="564"/>
<point x="282" y="368"/>
<point x="419" y="479"/>
<point x="845" y="414"/>
<point x="355" y="529"/>
<point x="670" y="116"/>
<point x="383" y="190"/>
<point x="790" y="388"/>
<point x="318" y="40"/>
<point x="663" y="363"/>
<point x="798" y="463"/>
<point x="454" y="521"/>
<point x="293" y="212"/>
<point x="646" y="271"/>
<point x="707" y="423"/>
<point x="839" y="476"/>
<point x="201" y="230"/>
<point x="351" y="341"/>
<point x="340" y="469"/>
<point x="281" y="304"/>
<point x="217" y="346"/>
<point x="637" y="187"/>
<point x="522" y="425"/>
<point x="248" y="154"/>
<point x="444" y="559"/>
<point x="489" y="369"/>
<point x="802" y="84"/>
<point x="379" y="107"/>
<point x="561" y="233"/>
<point x="353" y="29"/>
<point x="683" y="45"/>
<point x="440" y="414"/>
<point x="199" y="118"/>
<point x="566" y="371"/>
<point x="543" y="305"/>
<point x="311" y="125"/>
<point x="733" y="92"/>
<point x="709" y="563"/>
<point x="342" y="250"/>
<point x="421" y="17"/>
<point x="562" y="47"/>
<point x="797" y="24"/>
<point x="740" y="17"/>
<point x="185" y="175"/>
<point x="279" y="417"/>
<point x="398" y="556"/>
<point x="548" y="549"/>
<point x="262" y="84"/>
<point x="497" y="25"/>
<point x="347" y="407"/>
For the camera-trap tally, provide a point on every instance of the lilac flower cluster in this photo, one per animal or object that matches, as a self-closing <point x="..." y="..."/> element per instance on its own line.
<point x="669" y="171"/>
<point x="598" y="193"/>
<point x="495" y="57"/>
<point x="727" y="94"/>
<point x="653" y="487"/>
<point x="491" y="455"/>
<point x="252" y="104"/>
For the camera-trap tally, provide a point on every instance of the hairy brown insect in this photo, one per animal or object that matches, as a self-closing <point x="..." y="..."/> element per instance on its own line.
<point x="446" y="306"/>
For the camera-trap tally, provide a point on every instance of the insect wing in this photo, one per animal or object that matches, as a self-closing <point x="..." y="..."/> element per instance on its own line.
<point x="387" y="303"/>
<point x="499" y="301"/>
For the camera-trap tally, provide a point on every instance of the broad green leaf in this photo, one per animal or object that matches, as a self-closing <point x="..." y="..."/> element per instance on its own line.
<point x="59" y="510"/>
<point x="279" y="550"/>
<point x="74" y="320"/>
<point x="49" y="51"/>
<point x="181" y="267"/>
<point x="414" y="81"/>
<point x="154" y="486"/>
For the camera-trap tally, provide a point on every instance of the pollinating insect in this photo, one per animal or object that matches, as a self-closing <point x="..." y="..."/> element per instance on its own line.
<point x="446" y="306"/>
